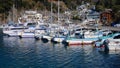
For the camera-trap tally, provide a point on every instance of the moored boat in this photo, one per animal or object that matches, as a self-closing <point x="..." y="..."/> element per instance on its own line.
<point x="114" y="43"/>
<point x="111" y="43"/>
<point x="39" y="33"/>
<point x="58" y="39"/>
<point x="60" y="36"/>
<point x="27" y="35"/>
<point x="82" y="40"/>
<point x="13" y="30"/>
<point x="85" y="41"/>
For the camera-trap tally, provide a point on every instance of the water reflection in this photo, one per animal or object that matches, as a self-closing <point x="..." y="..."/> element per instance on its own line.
<point x="29" y="53"/>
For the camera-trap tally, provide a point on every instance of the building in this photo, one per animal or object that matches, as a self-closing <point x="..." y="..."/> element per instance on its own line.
<point x="106" y="17"/>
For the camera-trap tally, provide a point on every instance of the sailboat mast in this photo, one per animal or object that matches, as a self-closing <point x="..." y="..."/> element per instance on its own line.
<point x="13" y="13"/>
<point x="58" y="11"/>
<point x="51" y="11"/>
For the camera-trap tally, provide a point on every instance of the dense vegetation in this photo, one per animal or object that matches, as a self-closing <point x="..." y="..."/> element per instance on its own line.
<point x="6" y="5"/>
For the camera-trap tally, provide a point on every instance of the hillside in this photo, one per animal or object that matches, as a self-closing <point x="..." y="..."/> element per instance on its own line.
<point x="41" y="5"/>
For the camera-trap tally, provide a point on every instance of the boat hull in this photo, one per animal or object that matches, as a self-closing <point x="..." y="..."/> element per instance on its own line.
<point x="46" y="37"/>
<point x="38" y="37"/>
<point x="79" y="42"/>
<point x="84" y="41"/>
<point x="58" y="39"/>
<point x="11" y="33"/>
<point x="39" y="33"/>
<point x="27" y="35"/>
<point x="114" y="44"/>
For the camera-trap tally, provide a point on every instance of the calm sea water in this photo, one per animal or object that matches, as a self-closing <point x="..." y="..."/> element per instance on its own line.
<point x="29" y="53"/>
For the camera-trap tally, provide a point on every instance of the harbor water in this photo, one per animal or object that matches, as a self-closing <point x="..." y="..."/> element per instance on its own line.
<point x="29" y="53"/>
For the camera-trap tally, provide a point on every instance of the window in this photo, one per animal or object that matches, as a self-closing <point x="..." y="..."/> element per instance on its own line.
<point x="117" y="37"/>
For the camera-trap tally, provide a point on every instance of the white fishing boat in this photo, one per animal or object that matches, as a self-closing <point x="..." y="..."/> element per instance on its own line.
<point x="58" y="38"/>
<point x="27" y="33"/>
<point x="47" y="37"/>
<point x="85" y="41"/>
<point x="23" y="27"/>
<point x="114" y="43"/>
<point x="91" y="34"/>
<point x="13" y="30"/>
<point x="49" y="34"/>
<point x="60" y="34"/>
<point x="83" y="37"/>
<point x="39" y="33"/>
<point x="109" y="43"/>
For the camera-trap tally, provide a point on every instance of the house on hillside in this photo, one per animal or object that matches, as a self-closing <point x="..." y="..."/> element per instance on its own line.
<point x="106" y="17"/>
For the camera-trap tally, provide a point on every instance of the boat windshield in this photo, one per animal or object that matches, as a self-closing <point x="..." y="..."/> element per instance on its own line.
<point x="31" y="24"/>
<point x="117" y="37"/>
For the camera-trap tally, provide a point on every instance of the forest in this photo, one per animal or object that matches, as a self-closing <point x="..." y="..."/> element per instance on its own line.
<point x="41" y="5"/>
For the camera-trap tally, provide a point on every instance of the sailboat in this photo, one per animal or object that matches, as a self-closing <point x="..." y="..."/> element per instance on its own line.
<point x="12" y="29"/>
<point x="40" y="31"/>
<point x="29" y="32"/>
<point x="49" y="31"/>
<point x="60" y="35"/>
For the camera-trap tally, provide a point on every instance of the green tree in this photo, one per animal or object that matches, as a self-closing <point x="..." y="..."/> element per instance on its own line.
<point x="5" y="5"/>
